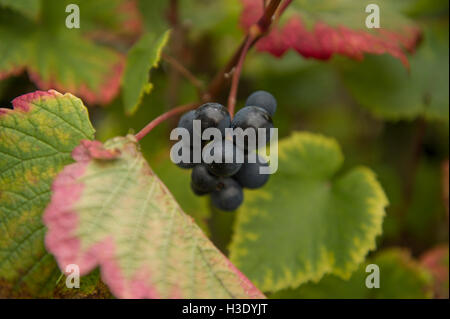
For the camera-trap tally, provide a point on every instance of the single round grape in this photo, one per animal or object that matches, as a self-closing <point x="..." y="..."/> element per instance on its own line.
<point x="186" y="121"/>
<point x="253" y="117"/>
<point x="264" y="100"/>
<point x="227" y="158"/>
<point x="203" y="180"/>
<point x="249" y="175"/>
<point x="229" y="196"/>
<point x="197" y="191"/>
<point x="213" y="115"/>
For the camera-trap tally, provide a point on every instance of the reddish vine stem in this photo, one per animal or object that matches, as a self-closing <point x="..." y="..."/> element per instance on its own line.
<point x="237" y="75"/>
<point x="150" y="126"/>
<point x="255" y="32"/>
<point x="263" y="26"/>
<point x="266" y="20"/>
<point x="219" y="81"/>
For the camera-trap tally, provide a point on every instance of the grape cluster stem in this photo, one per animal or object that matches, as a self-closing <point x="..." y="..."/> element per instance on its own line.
<point x="236" y="62"/>
<point x="150" y="126"/>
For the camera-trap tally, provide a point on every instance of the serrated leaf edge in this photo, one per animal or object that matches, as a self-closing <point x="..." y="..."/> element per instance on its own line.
<point x="376" y="206"/>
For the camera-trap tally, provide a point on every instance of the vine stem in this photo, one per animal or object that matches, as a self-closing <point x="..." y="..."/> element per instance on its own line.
<point x="260" y="28"/>
<point x="150" y="126"/>
<point x="255" y="33"/>
<point x="237" y="74"/>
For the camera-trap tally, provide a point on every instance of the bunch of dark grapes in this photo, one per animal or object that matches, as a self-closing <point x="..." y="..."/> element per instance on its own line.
<point x="225" y="180"/>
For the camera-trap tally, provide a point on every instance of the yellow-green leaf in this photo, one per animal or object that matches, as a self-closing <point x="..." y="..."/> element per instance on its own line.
<point x="307" y="222"/>
<point x="36" y="141"/>
<point x="400" y="277"/>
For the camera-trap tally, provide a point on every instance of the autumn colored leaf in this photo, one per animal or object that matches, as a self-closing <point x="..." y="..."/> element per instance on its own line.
<point x="421" y="91"/>
<point x="445" y="187"/>
<point x="110" y="210"/>
<point x="320" y="29"/>
<point x="57" y="57"/>
<point x="437" y="262"/>
<point x="120" y="21"/>
<point x="37" y="137"/>
<point x="89" y="71"/>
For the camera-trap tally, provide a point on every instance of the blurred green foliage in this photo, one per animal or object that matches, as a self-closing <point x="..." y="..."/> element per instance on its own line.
<point x="384" y="116"/>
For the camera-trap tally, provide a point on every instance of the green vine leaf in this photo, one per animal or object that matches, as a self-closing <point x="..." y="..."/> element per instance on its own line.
<point x="110" y="209"/>
<point x="383" y="86"/>
<point x="324" y="224"/>
<point x="401" y="277"/>
<point x="154" y="15"/>
<point x="37" y="137"/>
<point x="29" y="8"/>
<point x="144" y="56"/>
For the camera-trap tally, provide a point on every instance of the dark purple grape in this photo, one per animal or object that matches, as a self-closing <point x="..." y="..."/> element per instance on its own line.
<point x="213" y="115"/>
<point x="249" y="175"/>
<point x="203" y="179"/>
<point x="229" y="196"/>
<point x="228" y="158"/>
<point x="264" y="100"/>
<point x="252" y="117"/>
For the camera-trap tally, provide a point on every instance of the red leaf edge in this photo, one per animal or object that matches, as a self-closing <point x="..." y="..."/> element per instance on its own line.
<point x="323" y="41"/>
<point x="61" y="220"/>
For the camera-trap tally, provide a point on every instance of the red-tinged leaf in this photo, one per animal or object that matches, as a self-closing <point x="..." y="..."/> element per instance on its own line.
<point x="445" y="187"/>
<point x="133" y="20"/>
<point x="12" y="71"/>
<point x="104" y="88"/>
<point x="64" y="59"/>
<point x="129" y="22"/>
<point x="436" y="261"/>
<point x="319" y="29"/>
<point x="36" y="139"/>
<point x="110" y="210"/>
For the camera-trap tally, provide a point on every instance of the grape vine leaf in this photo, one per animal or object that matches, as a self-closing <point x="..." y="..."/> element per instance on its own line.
<point x="154" y="15"/>
<point x="12" y="51"/>
<point x="179" y="182"/>
<point x="37" y="137"/>
<point x="29" y="8"/>
<point x="115" y="21"/>
<point x="324" y="224"/>
<point x="91" y="286"/>
<point x="110" y="209"/>
<point x="56" y="57"/>
<point x="401" y="277"/>
<point x="319" y="29"/>
<point x="144" y="56"/>
<point x="445" y="185"/>
<point x="437" y="262"/>
<point x="383" y="86"/>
